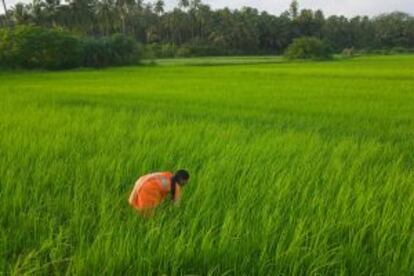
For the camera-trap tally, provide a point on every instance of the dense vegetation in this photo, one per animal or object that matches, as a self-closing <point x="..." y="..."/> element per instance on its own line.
<point x="36" y="47"/>
<point x="308" y="48"/>
<point x="194" y="29"/>
<point x="297" y="169"/>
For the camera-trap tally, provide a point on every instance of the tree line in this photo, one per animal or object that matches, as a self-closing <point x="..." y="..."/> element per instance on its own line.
<point x="194" y="28"/>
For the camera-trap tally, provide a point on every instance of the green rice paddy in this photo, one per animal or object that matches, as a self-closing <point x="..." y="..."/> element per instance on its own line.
<point x="296" y="168"/>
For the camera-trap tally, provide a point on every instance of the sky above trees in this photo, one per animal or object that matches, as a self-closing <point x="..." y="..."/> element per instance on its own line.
<point x="345" y="7"/>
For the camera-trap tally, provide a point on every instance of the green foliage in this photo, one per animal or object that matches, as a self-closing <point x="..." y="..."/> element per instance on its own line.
<point x="125" y="49"/>
<point x="207" y="50"/>
<point x="349" y="52"/>
<point x="167" y="50"/>
<point x="297" y="169"/>
<point x="309" y="48"/>
<point x="159" y="50"/>
<point x="97" y="52"/>
<point x="394" y="30"/>
<point x="187" y="50"/>
<point x="399" y="50"/>
<point x="184" y="52"/>
<point x="34" y="47"/>
<point x="204" y="31"/>
<point x="115" y="50"/>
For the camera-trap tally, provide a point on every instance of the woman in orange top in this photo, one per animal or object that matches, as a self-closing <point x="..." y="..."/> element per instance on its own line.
<point x="150" y="190"/>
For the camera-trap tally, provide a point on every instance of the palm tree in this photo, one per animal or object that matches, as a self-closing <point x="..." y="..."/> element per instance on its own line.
<point x="81" y="14"/>
<point x="21" y="13"/>
<point x="124" y="9"/>
<point x="51" y="8"/>
<point x="105" y="12"/>
<point x="195" y="4"/>
<point x="6" y="14"/>
<point x="159" y="7"/>
<point x="194" y="15"/>
<point x="36" y="11"/>
<point x="294" y="9"/>
<point x="183" y="3"/>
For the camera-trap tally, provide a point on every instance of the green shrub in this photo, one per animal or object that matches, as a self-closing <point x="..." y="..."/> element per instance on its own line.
<point x="202" y="50"/>
<point x="125" y="50"/>
<point x="6" y="47"/>
<point x="167" y="51"/>
<point x="155" y="50"/>
<point x="392" y="51"/>
<point x="39" y="48"/>
<point x="115" y="50"/>
<point x="365" y="51"/>
<point x="399" y="50"/>
<point x="35" y="47"/>
<point x="349" y="52"/>
<point x="308" y="48"/>
<point x="96" y="52"/>
<point x="384" y="52"/>
<point x="183" y="52"/>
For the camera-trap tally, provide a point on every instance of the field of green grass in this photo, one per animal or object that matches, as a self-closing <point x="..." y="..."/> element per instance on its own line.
<point x="297" y="169"/>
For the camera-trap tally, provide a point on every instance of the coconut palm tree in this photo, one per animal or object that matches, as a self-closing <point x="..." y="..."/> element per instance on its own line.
<point x="159" y="7"/>
<point x="51" y="8"/>
<point x="183" y="3"/>
<point x="21" y="13"/>
<point x="105" y="11"/>
<point x="6" y="14"/>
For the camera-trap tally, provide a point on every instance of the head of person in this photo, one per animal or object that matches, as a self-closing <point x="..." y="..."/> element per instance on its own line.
<point x="181" y="177"/>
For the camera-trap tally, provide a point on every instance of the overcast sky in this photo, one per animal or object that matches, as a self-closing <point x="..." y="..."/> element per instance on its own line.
<point x="340" y="7"/>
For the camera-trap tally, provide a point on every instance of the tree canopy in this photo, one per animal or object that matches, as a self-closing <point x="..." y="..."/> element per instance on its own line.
<point x="203" y="30"/>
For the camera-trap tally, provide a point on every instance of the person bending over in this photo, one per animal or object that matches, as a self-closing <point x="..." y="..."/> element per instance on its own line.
<point x="152" y="189"/>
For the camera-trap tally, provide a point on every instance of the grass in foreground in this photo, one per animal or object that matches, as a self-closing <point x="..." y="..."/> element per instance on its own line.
<point x="297" y="169"/>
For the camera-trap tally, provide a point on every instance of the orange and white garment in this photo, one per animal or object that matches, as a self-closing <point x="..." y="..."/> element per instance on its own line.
<point x="150" y="190"/>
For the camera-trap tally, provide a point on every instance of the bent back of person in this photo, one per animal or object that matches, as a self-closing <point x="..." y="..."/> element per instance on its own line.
<point x="151" y="190"/>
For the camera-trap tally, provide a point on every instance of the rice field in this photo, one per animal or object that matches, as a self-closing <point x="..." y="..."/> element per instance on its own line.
<point x="296" y="168"/>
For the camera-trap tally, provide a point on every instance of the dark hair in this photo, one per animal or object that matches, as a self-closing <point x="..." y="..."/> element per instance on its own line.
<point x="181" y="175"/>
<point x="177" y="179"/>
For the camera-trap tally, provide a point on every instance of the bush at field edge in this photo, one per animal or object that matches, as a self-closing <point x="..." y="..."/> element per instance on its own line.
<point x="32" y="47"/>
<point x="309" y="48"/>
